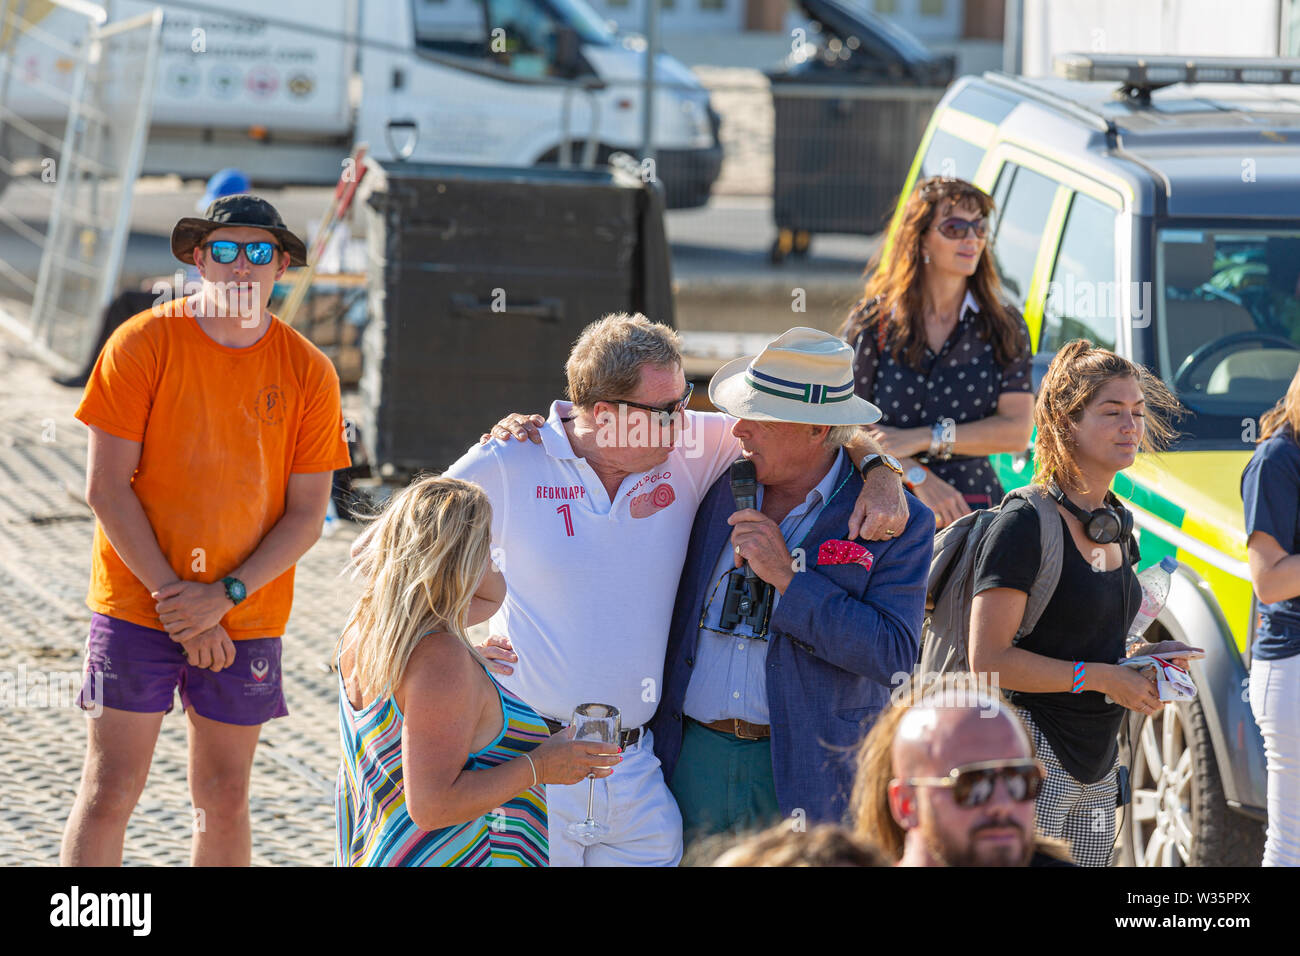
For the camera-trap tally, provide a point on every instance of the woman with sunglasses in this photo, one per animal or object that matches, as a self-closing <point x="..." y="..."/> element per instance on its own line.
<point x="442" y="766"/>
<point x="1095" y="412"/>
<point x="940" y="354"/>
<point x="1270" y="491"/>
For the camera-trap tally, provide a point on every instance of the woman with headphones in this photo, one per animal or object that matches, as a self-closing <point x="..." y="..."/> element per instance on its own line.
<point x="1095" y="412"/>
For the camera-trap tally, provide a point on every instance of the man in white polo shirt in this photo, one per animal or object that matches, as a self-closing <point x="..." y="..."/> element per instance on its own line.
<point x="590" y="527"/>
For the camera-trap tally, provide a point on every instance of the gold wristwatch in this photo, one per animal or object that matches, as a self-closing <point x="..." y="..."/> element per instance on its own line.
<point x="873" y="460"/>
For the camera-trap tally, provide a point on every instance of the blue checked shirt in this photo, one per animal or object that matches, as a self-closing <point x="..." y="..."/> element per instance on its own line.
<point x="728" y="678"/>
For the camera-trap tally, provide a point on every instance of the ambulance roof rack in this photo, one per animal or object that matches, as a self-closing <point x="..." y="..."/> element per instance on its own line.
<point x="1139" y="75"/>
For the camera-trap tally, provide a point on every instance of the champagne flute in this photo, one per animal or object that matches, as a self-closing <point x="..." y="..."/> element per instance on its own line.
<point x="600" y="722"/>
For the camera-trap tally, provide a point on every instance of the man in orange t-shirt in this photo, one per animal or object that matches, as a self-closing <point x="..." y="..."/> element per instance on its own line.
<point x="215" y="430"/>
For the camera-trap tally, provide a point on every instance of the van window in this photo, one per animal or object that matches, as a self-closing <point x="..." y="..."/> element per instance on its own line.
<point x="528" y="36"/>
<point x="1020" y="225"/>
<point x="1083" y="298"/>
<point x="579" y="15"/>
<point x="456" y="27"/>
<point x="949" y="155"/>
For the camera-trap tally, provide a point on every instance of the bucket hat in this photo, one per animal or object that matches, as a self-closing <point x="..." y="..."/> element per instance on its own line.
<point x="231" y="211"/>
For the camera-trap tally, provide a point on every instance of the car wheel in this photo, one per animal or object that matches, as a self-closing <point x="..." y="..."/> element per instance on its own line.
<point x="1179" y="816"/>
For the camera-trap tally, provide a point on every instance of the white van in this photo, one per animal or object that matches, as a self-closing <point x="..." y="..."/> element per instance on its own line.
<point x="283" y="90"/>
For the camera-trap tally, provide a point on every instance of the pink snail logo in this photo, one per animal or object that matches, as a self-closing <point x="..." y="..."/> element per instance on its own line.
<point x="259" y="666"/>
<point x="643" y="506"/>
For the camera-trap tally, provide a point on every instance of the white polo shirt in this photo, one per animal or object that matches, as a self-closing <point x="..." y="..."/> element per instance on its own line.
<point x="590" y="582"/>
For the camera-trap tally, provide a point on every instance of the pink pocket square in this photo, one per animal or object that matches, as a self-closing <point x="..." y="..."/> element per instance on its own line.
<point x="839" y="551"/>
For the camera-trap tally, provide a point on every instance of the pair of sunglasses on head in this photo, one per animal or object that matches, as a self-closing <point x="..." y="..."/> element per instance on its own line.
<point x="973" y="784"/>
<point x="257" y="253"/>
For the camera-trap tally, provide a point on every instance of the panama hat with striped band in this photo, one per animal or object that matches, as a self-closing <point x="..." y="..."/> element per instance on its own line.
<point x="802" y="376"/>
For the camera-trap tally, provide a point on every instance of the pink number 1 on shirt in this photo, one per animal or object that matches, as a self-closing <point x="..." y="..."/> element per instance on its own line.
<point x="568" y="519"/>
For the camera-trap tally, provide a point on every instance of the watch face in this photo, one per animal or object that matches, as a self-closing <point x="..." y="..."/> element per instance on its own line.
<point x="893" y="463"/>
<point x="915" y="475"/>
<point x="237" y="592"/>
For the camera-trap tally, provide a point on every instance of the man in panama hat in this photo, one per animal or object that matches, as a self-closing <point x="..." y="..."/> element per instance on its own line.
<point x="215" y="430"/>
<point x="770" y="685"/>
<point x="605" y="496"/>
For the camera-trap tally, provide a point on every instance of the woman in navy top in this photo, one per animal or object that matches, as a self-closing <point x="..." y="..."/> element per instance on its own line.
<point x="1270" y="490"/>
<point x="940" y="354"/>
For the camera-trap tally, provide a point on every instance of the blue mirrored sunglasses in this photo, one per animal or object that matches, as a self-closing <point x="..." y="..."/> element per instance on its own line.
<point x="257" y="253"/>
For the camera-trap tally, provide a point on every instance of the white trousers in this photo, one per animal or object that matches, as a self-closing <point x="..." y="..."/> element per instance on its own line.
<point x="1275" y="699"/>
<point x="634" y="802"/>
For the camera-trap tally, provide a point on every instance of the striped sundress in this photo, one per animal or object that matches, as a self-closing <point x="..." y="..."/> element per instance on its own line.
<point x="373" y="827"/>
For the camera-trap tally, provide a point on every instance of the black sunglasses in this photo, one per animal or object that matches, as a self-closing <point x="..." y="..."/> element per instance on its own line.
<point x="957" y="227"/>
<point x="665" y="412"/>
<point x="257" y="253"/>
<point x="973" y="783"/>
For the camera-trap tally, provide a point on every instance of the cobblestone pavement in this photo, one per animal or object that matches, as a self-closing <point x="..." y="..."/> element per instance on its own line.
<point x="45" y="537"/>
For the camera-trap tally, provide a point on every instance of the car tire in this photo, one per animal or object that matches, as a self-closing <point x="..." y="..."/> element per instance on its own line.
<point x="1179" y="816"/>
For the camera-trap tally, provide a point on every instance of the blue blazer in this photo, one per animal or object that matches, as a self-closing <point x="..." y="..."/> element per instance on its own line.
<point x="837" y="638"/>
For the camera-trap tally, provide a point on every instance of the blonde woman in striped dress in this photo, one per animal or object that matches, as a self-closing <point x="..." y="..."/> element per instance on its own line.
<point x="441" y="765"/>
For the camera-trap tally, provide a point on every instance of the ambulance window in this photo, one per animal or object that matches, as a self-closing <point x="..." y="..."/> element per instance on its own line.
<point x="1020" y="225"/>
<point x="1001" y="188"/>
<point x="1082" y="296"/>
<point x="951" y="156"/>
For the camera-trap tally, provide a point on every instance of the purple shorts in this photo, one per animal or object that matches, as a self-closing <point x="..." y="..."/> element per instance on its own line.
<point x="141" y="667"/>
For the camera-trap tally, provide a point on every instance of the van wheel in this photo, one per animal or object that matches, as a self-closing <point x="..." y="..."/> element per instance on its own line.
<point x="552" y="156"/>
<point x="1179" y="816"/>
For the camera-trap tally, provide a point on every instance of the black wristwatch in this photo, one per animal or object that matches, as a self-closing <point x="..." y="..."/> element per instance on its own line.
<point x="872" y="461"/>
<point x="235" y="589"/>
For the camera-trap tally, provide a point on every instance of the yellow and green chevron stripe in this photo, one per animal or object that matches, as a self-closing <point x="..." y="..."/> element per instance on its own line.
<point x="1186" y="505"/>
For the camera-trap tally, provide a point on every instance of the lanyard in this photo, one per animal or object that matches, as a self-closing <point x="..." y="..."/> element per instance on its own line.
<point x="827" y="504"/>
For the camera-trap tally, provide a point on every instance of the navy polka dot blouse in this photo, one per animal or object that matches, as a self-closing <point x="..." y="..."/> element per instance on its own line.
<point x="962" y="382"/>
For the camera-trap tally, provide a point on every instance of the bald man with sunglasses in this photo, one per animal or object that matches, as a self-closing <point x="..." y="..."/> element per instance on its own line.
<point x="964" y="785"/>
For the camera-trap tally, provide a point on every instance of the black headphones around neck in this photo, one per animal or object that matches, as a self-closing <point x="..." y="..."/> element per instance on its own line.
<point x="1103" y="526"/>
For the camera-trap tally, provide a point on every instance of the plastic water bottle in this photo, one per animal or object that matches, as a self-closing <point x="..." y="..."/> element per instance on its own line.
<point x="1155" y="591"/>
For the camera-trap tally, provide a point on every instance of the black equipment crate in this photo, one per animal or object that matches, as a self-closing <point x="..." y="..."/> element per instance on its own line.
<point x="480" y="279"/>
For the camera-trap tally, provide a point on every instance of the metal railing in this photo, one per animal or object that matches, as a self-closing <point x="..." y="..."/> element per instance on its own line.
<point x="71" y="144"/>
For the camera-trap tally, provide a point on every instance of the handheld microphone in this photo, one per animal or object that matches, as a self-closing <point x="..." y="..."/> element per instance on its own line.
<point x="744" y="483"/>
<point x="744" y="488"/>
